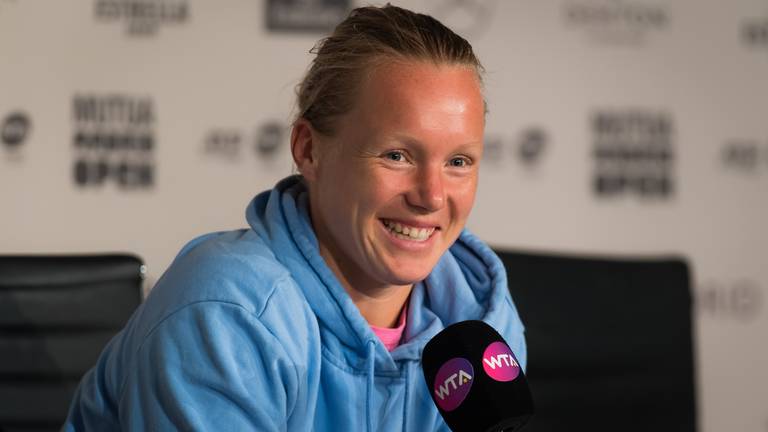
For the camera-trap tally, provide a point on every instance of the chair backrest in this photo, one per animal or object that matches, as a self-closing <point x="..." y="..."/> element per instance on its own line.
<point x="56" y="315"/>
<point x="609" y="341"/>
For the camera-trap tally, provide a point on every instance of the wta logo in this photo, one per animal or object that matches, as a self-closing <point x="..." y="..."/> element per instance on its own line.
<point x="452" y="383"/>
<point x="499" y="362"/>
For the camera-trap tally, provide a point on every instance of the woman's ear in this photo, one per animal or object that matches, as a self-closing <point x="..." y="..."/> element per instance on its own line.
<point x="303" y="148"/>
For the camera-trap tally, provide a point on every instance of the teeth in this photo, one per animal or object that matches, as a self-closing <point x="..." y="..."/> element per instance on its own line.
<point x="409" y="233"/>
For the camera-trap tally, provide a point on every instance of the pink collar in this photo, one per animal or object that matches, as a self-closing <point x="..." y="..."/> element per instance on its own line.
<point x="390" y="337"/>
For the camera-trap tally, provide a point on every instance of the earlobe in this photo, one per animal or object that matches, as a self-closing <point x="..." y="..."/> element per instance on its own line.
<point x="302" y="148"/>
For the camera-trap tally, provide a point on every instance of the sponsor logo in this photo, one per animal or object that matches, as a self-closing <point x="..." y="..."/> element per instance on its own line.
<point x="527" y="148"/>
<point x="269" y="139"/>
<point x="531" y="146"/>
<point x="228" y="144"/>
<point x="740" y="299"/>
<point x="15" y="129"/>
<point x="633" y="154"/>
<point x="452" y="383"/>
<point x="754" y="32"/>
<point x="622" y="22"/>
<point x="305" y="15"/>
<point x="745" y="155"/>
<point x="223" y="143"/>
<point x="493" y="149"/>
<point x="141" y="17"/>
<point x="469" y="18"/>
<point x="499" y="363"/>
<point x="113" y="141"/>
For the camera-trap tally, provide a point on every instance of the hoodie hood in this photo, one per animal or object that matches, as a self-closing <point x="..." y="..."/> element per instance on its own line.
<point x="468" y="282"/>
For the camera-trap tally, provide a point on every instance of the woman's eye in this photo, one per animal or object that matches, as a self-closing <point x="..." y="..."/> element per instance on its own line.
<point x="459" y="162"/>
<point x="395" y="156"/>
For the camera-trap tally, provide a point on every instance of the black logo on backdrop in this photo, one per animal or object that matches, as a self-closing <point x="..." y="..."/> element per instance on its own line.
<point x="633" y="153"/>
<point x="269" y="139"/>
<point x="142" y="17"/>
<point x="223" y="143"/>
<point x="531" y="146"/>
<point x="232" y="144"/>
<point x="114" y="141"/>
<point x="305" y="15"/>
<point x="469" y="18"/>
<point x="622" y="22"/>
<point x="15" y="129"/>
<point x="745" y="155"/>
<point x="754" y="32"/>
<point x="737" y="299"/>
<point x="528" y="148"/>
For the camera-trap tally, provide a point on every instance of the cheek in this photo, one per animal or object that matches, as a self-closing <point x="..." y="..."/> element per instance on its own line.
<point x="382" y="187"/>
<point x="464" y="196"/>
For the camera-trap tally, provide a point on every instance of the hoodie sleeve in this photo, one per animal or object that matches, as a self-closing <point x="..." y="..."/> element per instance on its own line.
<point x="209" y="366"/>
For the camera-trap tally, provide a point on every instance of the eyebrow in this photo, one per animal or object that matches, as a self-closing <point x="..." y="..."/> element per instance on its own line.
<point x="409" y="140"/>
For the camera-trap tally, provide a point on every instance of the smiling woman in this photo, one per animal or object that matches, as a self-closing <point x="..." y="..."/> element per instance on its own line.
<point x="315" y="317"/>
<point x="401" y="171"/>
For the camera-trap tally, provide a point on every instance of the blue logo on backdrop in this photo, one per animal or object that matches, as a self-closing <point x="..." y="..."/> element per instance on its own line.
<point x="305" y="15"/>
<point x="142" y="17"/>
<point x="633" y="153"/>
<point x="618" y="22"/>
<point x="114" y="141"/>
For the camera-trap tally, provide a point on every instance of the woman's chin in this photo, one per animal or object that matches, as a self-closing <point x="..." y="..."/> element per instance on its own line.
<point x="407" y="275"/>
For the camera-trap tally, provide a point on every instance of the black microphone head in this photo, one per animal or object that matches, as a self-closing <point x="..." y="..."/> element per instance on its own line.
<point x="475" y="379"/>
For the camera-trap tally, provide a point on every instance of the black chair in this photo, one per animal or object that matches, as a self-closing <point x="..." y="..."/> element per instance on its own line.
<point x="56" y="315"/>
<point x="610" y="343"/>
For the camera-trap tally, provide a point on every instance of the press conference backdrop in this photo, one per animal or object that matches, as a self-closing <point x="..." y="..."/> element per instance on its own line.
<point x="616" y="126"/>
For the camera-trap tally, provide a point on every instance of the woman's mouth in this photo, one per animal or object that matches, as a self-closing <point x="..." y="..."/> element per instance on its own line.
<point x="407" y="232"/>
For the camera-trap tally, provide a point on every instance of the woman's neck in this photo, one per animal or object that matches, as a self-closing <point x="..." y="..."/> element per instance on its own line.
<point x="382" y="310"/>
<point x="379" y="303"/>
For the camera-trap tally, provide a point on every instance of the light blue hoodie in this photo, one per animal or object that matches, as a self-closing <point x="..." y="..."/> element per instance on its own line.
<point x="250" y="330"/>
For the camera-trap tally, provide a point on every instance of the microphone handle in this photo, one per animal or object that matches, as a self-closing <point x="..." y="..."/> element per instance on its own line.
<point x="508" y="425"/>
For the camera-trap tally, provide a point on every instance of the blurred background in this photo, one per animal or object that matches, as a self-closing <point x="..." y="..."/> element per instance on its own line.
<point x="616" y="127"/>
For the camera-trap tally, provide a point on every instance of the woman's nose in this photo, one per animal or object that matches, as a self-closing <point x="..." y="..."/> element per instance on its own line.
<point x="428" y="190"/>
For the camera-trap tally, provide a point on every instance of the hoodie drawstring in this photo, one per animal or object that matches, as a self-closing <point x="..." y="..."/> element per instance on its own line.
<point x="369" y="391"/>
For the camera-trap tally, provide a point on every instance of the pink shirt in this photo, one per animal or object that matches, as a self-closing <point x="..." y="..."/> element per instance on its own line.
<point x="390" y="337"/>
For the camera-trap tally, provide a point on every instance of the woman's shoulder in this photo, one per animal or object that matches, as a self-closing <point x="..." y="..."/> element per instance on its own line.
<point x="234" y="267"/>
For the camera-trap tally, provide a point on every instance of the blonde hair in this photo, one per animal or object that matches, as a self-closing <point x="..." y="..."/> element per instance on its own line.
<point x="368" y="36"/>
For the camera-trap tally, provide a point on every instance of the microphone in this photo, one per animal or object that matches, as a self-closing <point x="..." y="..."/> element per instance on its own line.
<point x="475" y="379"/>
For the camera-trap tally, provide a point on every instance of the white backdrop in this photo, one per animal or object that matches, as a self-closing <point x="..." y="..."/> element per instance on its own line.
<point x="616" y="126"/>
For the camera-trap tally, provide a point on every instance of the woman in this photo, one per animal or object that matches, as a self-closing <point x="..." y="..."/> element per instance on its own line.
<point x="315" y="317"/>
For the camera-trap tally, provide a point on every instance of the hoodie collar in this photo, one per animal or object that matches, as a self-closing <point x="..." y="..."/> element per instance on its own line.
<point x="468" y="282"/>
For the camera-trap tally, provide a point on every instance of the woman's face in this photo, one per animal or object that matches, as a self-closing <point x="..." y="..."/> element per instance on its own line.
<point x="394" y="185"/>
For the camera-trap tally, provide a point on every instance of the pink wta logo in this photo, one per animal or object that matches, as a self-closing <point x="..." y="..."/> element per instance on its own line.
<point x="499" y="362"/>
<point x="452" y="383"/>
